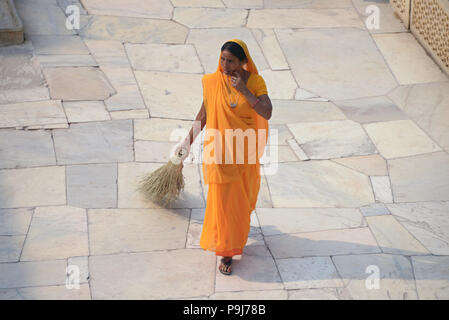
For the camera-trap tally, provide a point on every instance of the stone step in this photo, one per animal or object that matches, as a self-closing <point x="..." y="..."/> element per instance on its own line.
<point x="11" y="26"/>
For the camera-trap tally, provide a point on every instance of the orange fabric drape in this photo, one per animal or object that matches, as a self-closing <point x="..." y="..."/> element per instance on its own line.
<point x="233" y="187"/>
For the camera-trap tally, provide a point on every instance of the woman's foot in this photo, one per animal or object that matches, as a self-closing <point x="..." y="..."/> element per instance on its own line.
<point x="225" y="266"/>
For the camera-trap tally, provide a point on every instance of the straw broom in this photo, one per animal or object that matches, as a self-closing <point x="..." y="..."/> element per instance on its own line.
<point x="164" y="184"/>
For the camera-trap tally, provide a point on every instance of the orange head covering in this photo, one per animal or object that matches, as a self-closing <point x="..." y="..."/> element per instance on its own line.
<point x="221" y="117"/>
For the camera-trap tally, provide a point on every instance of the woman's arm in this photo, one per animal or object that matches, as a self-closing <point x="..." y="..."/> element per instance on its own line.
<point x="262" y="107"/>
<point x="202" y="117"/>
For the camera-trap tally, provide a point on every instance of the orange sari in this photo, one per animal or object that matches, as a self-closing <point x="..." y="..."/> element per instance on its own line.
<point x="233" y="186"/>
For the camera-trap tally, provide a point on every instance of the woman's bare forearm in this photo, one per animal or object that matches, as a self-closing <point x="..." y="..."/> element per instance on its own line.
<point x="201" y="118"/>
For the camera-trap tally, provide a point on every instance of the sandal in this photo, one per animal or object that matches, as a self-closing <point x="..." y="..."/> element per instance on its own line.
<point x="227" y="264"/>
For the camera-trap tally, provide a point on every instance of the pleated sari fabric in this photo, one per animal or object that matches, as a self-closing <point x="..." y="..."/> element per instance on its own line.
<point x="233" y="185"/>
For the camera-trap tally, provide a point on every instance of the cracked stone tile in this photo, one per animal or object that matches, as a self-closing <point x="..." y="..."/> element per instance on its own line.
<point x="371" y="165"/>
<point x="150" y="275"/>
<point x="210" y="17"/>
<point x="85" y="111"/>
<point x="20" y="148"/>
<point x="431" y="274"/>
<point x="56" y="232"/>
<point x="294" y="220"/>
<point x="114" y="231"/>
<point x="30" y="187"/>
<point x="353" y="49"/>
<point x="332" y="139"/>
<point x="420" y="178"/>
<point x="271" y="49"/>
<point x="135" y="30"/>
<point x="322" y="243"/>
<point x="401" y="50"/>
<point x="408" y="140"/>
<point x="164" y="57"/>
<point x="82" y="83"/>
<point x="359" y="274"/>
<point x="208" y="43"/>
<point x="10" y="248"/>
<point x="307" y="273"/>
<point x="92" y="186"/>
<point x="158" y="9"/>
<point x="318" y="184"/>
<point x="303" y="18"/>
<point x="15" y="221"/>
<point x="382" y="188"/>
<point x="288" y="112"/>
<point x="95" y="142"/>
<point x="426" y="221"/>
<point x="393" y="238"/>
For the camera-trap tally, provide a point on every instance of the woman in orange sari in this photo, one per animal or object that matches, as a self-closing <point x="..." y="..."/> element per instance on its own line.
<point x="234" y="97"/>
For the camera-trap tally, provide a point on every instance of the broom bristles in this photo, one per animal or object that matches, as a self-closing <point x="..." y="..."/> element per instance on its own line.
<point x="164" y="184"/>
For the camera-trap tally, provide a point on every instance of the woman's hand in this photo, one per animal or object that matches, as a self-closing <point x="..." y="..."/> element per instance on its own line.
<point x="181" y="151"/>
<point x="237" y="82"/>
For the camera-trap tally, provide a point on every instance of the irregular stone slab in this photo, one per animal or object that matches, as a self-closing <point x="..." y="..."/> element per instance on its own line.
<point x="297" y="150"/>
<point x="322" y="243"/>
<point x="303" y="18"/>
<point x="42" y="18"/>
<point x="420" y="178"/>
<point x="134" y="230"/>
<point x="32" y="187"/>
<point x="302" y="94"/>
<point x="92" y="186"/>
<point x="171" y="95"/>
<point x="170" y="58"/>
<point x="158" y="129"/>
<point x="328" y="185"/>
<point x="271" y="49"/>
<point x="426" y="105"/>
<point x="10" y="248"/>
<point x="128" y="97"/>
<point x="264" y="197"/>
<point x="135" y="30"/>
<point x="280" y="84"/>
<point x="388" y="22"/>
<point x="279" y="154"/>
<point x="153" y="275"/>
<point x="208" y="43"/>
<point x="332" y="139"/>
<point x="95" y="142"/>
<point x="326" y="58"/>
<point x="56" y="233"/>
<point x="371" y="109"/>
<point x="312" y="4"/>
<point x="251" y="272"/>
<point x="431" y="274"/>
<point x="251" y="295"/>
<point x="85" y="111"/>
<point x="133" y="8"/>
<point x="294" y="220"/>
<point x="359" y="272"/>
<point x="401" y="50"/>
<point x="282" y="132"/>
<point x="382" y="189"/>
<point x="371" y="165"/>
<point x="374" y="209"/>
<point x="48" y="114"/>
<point x="58" y="45"/>
<point x="198" y="3"/>
<point x="109" y="54"/>
<point x="427" y="221"/>
<point x="313" y="294"/>
<point x="19" y="68"/>
<point x="26" y="149"/>
<point x="130" y="114"/>
<point x="83" y="83"/>
<point x="393" y="238"/>
<point x="36" y="273"/>
<point x="153" y="151"/>
<point x="22" y="95"/>
<point x="304" y="111"/>
<point x="131" y="173"/>
<point x="306" y="273"/>
<point x="210" y="17"/>
<point x="47" y="61"/>
<point x="15" y="221"/>
<point x="409" y="138"/>
<point x="47" y="293"/>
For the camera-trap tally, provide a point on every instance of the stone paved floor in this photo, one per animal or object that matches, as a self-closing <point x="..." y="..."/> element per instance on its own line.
<point x="355" y="206"/>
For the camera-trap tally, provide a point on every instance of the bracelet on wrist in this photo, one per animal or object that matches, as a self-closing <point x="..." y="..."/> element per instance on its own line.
<point x="254" y="104"/>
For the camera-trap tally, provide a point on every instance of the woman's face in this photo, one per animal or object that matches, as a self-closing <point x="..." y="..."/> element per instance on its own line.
<point x="230" y="63"/>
